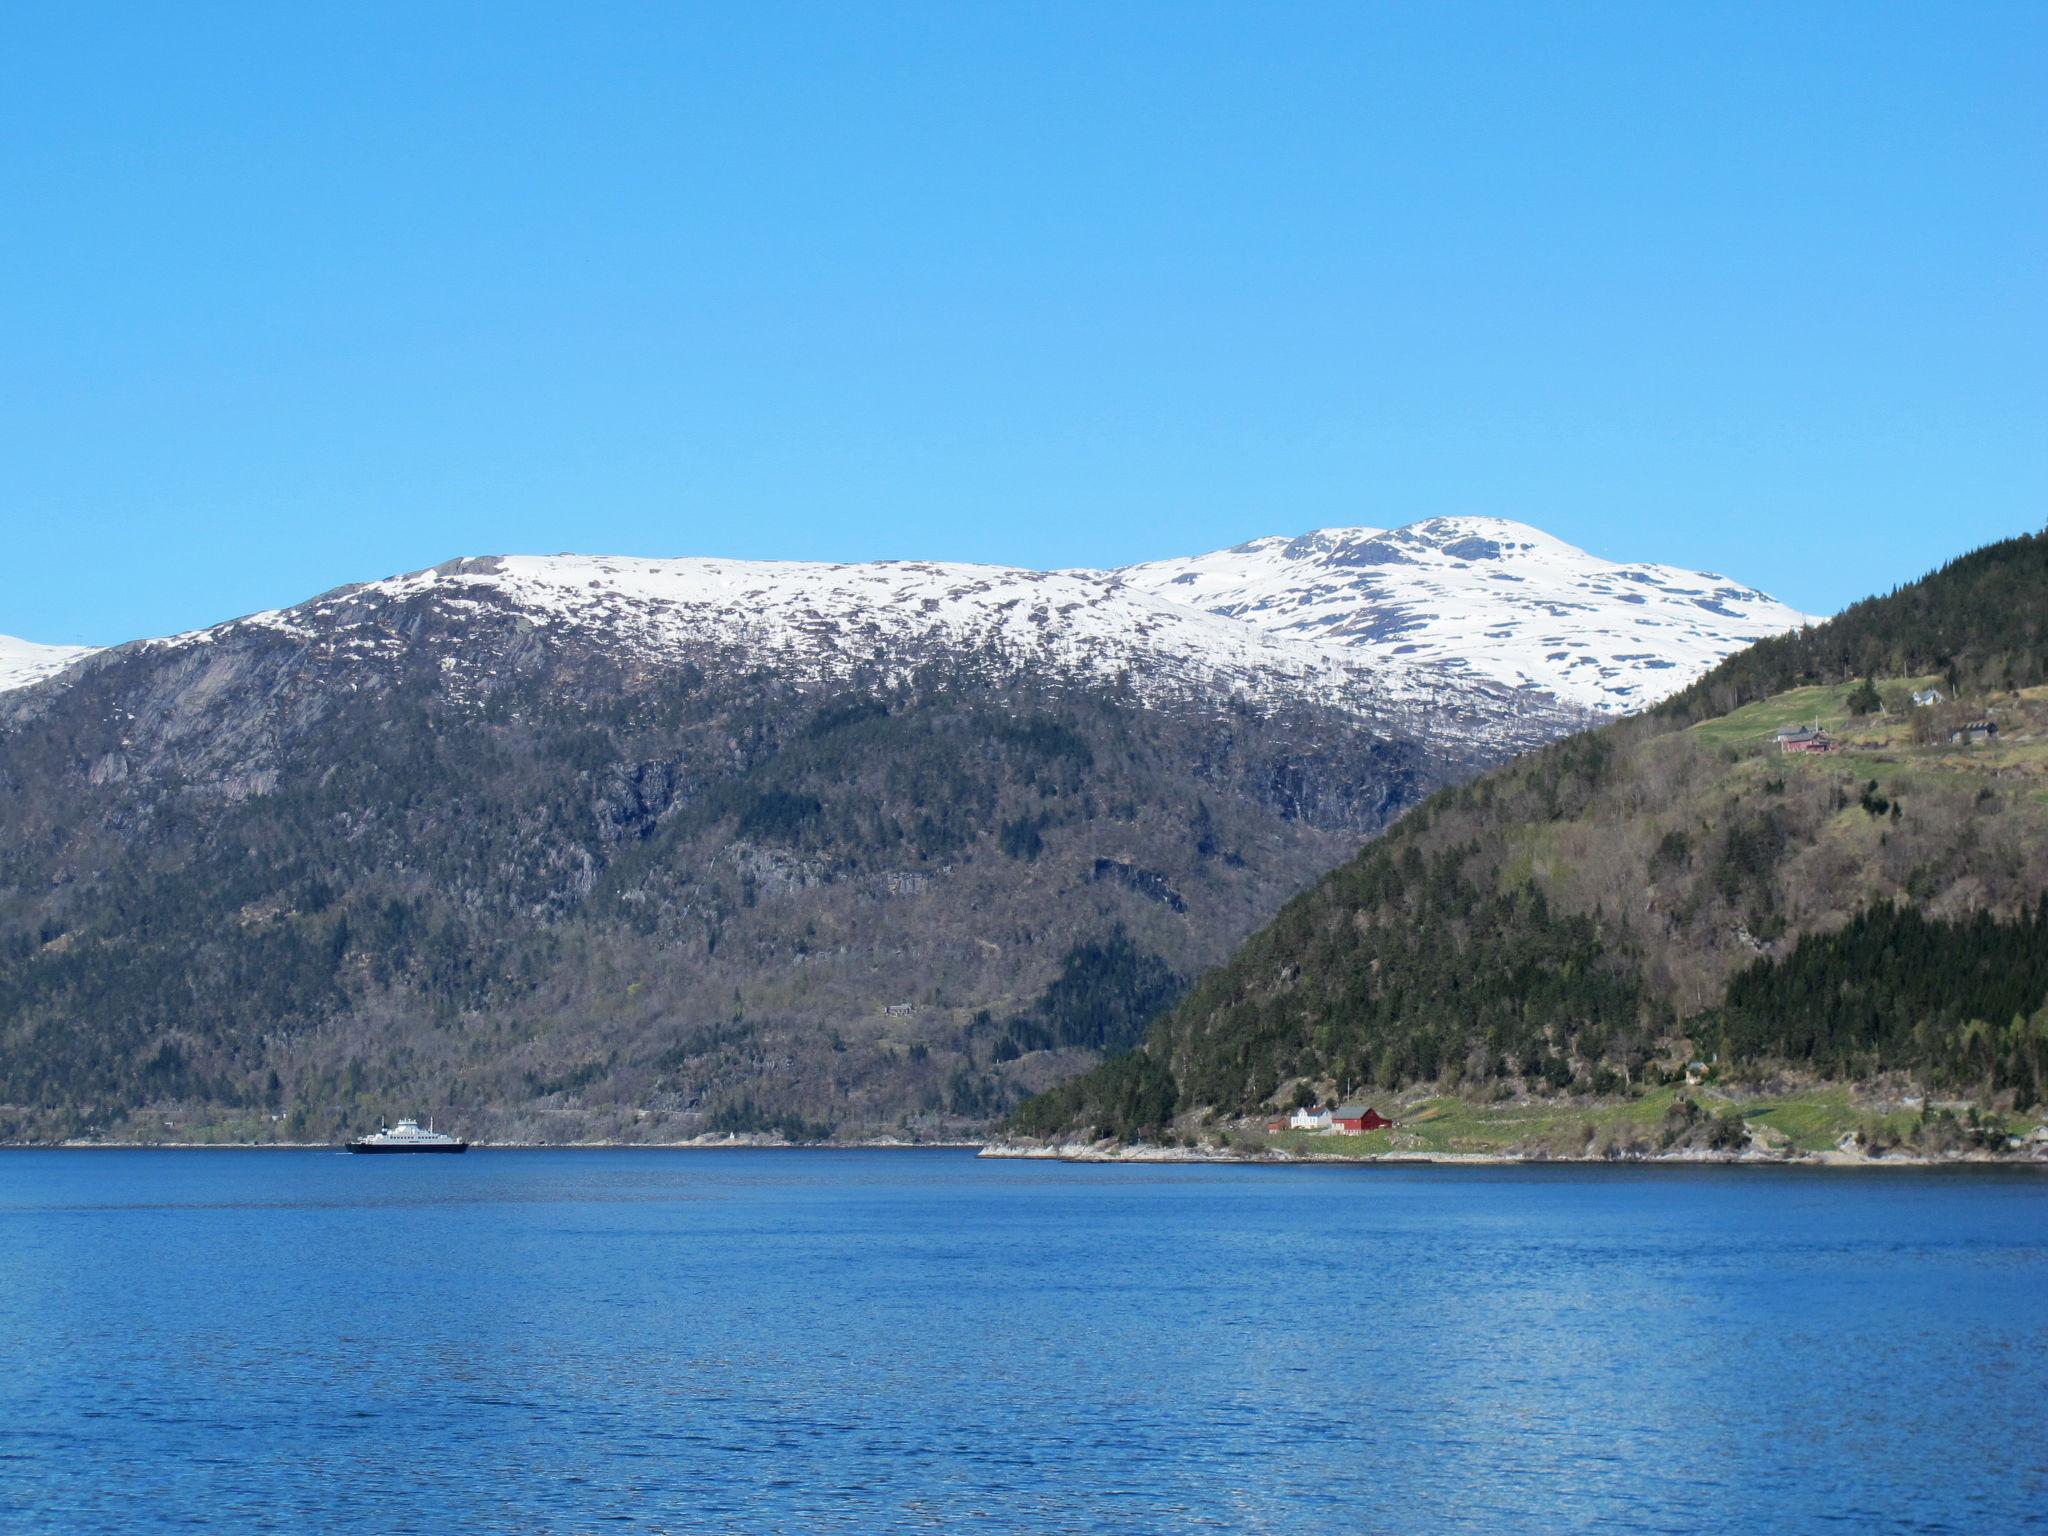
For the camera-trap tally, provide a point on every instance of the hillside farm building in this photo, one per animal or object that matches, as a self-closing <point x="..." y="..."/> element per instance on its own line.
<point x="1357" y="1119"/>
<point x="1347" y="1120"/>
<point x="1799" y="738"/>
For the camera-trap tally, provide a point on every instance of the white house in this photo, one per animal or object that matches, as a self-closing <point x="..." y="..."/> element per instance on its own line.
<point x="1927" y="697"/>
<point x="1309" y="1120"/>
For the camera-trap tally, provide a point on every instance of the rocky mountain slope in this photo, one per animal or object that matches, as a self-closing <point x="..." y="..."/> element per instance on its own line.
<point x="1483" y="598"/>
<point x="1590" y="918"/>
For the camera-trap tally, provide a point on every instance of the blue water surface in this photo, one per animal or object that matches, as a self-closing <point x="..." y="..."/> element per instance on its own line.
<point x="771" y="1341"/>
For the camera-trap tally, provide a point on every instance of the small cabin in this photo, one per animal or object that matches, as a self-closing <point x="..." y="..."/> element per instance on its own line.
<point x="1974" y="731"/>
<point x="1357" y="1119"/>
<point x="1926" y="698"/>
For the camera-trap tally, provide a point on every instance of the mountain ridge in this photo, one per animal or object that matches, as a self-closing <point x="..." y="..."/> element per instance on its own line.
<point x="1410" y="617"/>
<point x="818" y="623"/>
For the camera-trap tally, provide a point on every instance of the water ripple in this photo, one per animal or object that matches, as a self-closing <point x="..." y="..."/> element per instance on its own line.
<point x="860" y="1343"/>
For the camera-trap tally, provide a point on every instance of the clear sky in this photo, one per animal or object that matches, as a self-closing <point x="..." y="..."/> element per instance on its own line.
<point x="293" y="295"/>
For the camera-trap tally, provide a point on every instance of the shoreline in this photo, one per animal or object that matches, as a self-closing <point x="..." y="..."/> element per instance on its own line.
<point x="720" y="1144"/>
<point x="1113" y="1152"/>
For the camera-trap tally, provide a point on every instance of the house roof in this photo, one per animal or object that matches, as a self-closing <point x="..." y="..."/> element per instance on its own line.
<point x="1352" y="1111"/>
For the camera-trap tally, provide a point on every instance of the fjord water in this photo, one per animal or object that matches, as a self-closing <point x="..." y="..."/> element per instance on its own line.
<point x="871" y="1341"/>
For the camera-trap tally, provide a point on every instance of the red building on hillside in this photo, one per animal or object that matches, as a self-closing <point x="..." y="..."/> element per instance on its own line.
<point x="1799" y="738"/>
<point x="1357" y="1119"/>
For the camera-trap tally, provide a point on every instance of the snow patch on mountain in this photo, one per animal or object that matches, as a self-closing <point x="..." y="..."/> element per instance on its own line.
<point x="23" y="661"/>
<point x="1486" y="598"/>
<point x="816" y="622"/>
<point x="1463" y="629"/>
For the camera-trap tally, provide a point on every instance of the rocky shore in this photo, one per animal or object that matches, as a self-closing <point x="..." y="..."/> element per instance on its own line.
<point x="1127" y="1152"/>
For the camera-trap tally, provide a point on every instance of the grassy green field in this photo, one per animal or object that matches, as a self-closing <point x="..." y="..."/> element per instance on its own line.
<point x="1826" y="707"/>
<point x="1883" y="746"/>
<point x="1812" y="1121"/>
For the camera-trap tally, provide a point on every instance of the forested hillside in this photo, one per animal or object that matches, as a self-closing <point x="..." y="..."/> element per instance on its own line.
<point x="1960" y="999"/>
<point x="1590" y="917"/>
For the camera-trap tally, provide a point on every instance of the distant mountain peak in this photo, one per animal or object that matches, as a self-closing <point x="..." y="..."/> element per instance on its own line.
<point x="1444" y="616"/>
<point x="1483" y="597"/>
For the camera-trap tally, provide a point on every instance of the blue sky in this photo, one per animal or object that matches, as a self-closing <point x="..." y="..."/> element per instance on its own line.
<point x="296" y="295"/>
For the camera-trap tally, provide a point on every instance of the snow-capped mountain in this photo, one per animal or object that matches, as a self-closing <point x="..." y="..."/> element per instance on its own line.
<point x="23" y="661"/>
<point x="814" y="622"/>
<point x="1486" y="598"/>
<point x="666" y="846"/>
<point x="1452" y="627"/>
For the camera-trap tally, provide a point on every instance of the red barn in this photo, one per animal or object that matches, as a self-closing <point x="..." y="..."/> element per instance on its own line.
<point x="1357" y="1119"/>
<point x="1799" y="738"/>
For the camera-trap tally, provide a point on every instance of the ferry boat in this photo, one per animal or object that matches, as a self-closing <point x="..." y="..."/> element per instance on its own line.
<point x="406" y="1136"/>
